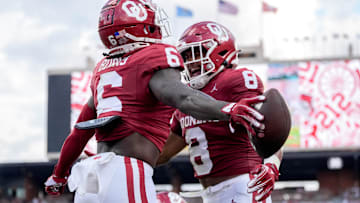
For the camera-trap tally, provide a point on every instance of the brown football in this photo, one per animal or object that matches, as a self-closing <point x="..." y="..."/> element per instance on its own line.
<point x="277" y="124"/>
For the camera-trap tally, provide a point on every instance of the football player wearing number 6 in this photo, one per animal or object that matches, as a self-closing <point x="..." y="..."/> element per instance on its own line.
<point x="223" y="159"/>
<point x="139" y="81"/>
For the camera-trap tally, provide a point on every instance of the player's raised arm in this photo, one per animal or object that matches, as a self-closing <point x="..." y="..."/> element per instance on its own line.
<point x="168" y="88"/>
<point x="70" y="151"/>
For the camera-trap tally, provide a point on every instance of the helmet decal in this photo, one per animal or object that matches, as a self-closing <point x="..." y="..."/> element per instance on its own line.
<point x="134" y="10"/>
<point x="219" y="31"/>
<point x="106" y="18"/>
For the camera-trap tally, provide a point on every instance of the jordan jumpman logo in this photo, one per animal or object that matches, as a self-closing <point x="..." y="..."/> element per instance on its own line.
<point x="214" y="89"/>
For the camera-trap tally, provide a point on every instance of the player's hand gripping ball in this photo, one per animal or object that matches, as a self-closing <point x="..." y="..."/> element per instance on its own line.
<point x="243" y="114"/>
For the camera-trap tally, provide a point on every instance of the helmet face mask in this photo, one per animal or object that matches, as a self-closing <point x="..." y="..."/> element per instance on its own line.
<point x="126" y="25"/>
<point x="197" y="62"/>
<point x="207" y="48"/>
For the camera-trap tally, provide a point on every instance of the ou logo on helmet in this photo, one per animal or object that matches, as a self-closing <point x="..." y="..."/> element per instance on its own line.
<point x="135" y="10"/>
<point x="219" y="31"/>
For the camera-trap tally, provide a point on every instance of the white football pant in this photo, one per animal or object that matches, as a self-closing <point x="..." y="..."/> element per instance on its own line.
<point x="110" y="178"/>
<point x="233" y="190"/>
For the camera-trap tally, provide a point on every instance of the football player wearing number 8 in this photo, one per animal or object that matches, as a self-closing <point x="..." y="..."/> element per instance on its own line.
<point x="222" y="156"/>
<point x="139" y="81"/>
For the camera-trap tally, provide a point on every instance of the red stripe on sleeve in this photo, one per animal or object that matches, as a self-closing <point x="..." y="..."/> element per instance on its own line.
<point x="75" y="143"/>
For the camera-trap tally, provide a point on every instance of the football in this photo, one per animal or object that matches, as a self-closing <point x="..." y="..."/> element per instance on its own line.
<point x="277" y="124"/>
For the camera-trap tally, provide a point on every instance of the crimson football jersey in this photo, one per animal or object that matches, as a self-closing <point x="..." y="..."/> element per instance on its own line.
<point x="214" y="150"/>
<point x="120" y="86"/>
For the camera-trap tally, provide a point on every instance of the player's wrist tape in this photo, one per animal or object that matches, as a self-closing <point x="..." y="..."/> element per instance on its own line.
<point x="273" y="160"/>
<point x="227" y="108"/>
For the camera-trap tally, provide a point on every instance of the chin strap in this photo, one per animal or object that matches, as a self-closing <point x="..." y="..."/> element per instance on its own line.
<point x="126" y="48"/>
<point x="139" y="39"/>
<point x="203" y="80"/>
<point x="140" y="42"/>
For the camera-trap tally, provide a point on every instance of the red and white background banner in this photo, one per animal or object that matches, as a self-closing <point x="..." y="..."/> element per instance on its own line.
<point x="324" y="100"/>
<point x="80" y="93"/>
<point x="323" y="97"/>
<point x="330" y="94"/>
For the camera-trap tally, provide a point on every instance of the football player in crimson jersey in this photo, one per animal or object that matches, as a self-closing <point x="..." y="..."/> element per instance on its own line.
<point x="222" y="156"/>
<point x="138" y="81"/>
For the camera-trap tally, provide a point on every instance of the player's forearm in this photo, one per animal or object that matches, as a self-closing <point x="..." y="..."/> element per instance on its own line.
<point x="279" y="154"/>
<point x="162" y="160"/>
<point x="275" y="158"/>
<point x="174" y="144"/>
<point x="167" y="87"/>
<point x="201" y="107"/>
<point x="193" y="102"/>
<point x="71" y="150"/>
<point x="75" y="142"/>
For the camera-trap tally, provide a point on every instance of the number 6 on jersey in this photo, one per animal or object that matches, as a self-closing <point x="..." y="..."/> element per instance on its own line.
<point x="111" y="103"/>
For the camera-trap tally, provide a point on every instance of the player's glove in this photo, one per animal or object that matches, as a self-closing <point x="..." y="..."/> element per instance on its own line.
<point x="55" y="185"/>
<point x="244" y="114"/>
<point x="262" y="180"/>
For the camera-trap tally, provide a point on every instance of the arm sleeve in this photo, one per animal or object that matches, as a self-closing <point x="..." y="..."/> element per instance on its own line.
<point x="75" y="143"/>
